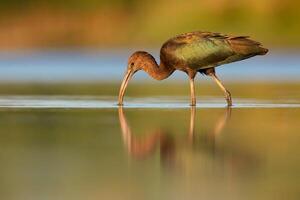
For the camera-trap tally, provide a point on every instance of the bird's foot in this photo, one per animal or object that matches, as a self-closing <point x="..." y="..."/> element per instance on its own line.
<point x="228" y="99"/>
<point x="229" y="103"/>
<point x="193" y="102"/>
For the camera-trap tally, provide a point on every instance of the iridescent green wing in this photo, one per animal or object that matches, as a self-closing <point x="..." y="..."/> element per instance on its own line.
<point x="202" y="49"/>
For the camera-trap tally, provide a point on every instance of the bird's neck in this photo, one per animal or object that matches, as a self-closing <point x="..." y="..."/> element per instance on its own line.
<point x="158" y="72"/>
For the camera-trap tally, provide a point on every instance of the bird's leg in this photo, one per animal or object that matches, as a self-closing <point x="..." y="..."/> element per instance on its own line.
<point x="193" y="97"/>
<point x="192" y="123"/>
<point x="227" y="93"/>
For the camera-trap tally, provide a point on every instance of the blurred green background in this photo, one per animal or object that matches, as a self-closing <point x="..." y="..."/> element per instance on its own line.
<point x="123" y="23"/>
<point x="61" y="66"/>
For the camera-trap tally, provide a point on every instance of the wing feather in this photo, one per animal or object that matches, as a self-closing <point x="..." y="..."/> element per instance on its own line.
<point x="200" y="50"/>
<point x="203" y="49"/>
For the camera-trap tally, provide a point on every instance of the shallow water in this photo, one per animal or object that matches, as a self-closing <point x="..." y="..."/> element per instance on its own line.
<point x="101" y="102"/>
<point x="53" y="147"/>
<point x="72" y="141"/>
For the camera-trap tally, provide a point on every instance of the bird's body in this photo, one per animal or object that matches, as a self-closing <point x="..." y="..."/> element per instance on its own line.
<point x="191" y="53"/>
<point x="202" y="50"/>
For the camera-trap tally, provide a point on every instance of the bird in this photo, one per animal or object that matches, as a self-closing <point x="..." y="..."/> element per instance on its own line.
<point x="144" y="147"/>
<point x="193" y="52"/>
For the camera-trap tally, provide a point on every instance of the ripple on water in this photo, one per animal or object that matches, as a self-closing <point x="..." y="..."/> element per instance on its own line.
<point x="94" y="102"/>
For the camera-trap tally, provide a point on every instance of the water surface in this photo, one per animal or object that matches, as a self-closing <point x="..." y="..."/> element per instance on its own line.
<point x="72" y="141"/>
<point x="53" y="150"/>
<point x="106" y="102"/>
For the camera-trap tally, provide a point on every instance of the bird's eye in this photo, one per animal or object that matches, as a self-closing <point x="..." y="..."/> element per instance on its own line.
<point x="131" y="64"/>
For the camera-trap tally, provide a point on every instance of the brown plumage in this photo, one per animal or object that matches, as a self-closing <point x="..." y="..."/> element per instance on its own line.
<point x="191" y="53"/>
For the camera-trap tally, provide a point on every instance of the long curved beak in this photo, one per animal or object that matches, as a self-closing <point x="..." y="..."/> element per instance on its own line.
<point x="124" y="84"/>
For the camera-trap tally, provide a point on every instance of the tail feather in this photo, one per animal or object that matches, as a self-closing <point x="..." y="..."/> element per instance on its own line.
<point x="263" y="51"/>
<point x="244" y="45"/>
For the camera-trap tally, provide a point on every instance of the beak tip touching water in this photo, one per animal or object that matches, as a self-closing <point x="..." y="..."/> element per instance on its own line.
<point x="124" y="84"/>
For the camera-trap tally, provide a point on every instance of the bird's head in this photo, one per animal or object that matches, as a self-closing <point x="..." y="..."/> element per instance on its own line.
<point x="139" y="60"/>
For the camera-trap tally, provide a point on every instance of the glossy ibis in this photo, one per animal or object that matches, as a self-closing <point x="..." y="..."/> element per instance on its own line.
<point x="191" y="53"/>
<point x="142" y="147"/>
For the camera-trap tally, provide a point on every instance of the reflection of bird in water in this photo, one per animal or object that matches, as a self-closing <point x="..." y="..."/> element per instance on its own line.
<point x="141" y="148"/>
<point x="192" y="53"/>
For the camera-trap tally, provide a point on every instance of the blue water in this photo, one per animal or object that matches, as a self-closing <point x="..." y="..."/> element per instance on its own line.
<point x="109" y="65"/>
